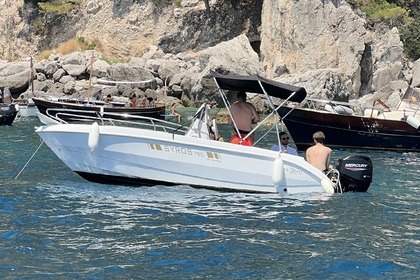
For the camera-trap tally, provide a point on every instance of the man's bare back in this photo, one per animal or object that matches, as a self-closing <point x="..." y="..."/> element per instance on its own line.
<point x="244" y="114"/>
<point x="319" y="155"/>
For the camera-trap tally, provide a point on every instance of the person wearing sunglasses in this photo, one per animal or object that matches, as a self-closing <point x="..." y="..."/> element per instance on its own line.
<point x="284" y="144"/>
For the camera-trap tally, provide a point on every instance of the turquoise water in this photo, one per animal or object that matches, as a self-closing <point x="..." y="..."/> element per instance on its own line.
<point x="55" y="225"/>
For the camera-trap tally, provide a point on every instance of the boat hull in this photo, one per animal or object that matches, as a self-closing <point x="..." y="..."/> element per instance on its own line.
<point x="346" y="131"/>
<point x="27" y="111"/>
<point x="144" y="157"/>
<point x="8" y="114"/>
<point x="56" y="107"/>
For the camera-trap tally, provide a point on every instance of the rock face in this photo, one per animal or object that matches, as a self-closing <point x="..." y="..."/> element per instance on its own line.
<point x="183" y="77"/>
<point x="326" y="41"/>
<point x="322" y="45"/>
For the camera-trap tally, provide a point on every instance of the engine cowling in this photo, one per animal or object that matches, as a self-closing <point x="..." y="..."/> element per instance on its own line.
<point x="355" y="173"/>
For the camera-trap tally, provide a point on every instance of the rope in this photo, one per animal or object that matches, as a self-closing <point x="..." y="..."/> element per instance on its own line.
<point x="42" y="142"/>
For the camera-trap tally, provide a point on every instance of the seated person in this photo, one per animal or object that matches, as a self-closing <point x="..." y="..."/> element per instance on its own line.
<point x="319" y="155"/>
<point x="133" y="101"/>
<point x="175" y="113"/>
<point x="284" y="145"/>
<point x="244" y="115"/>
<point x="144" y="102"/>
<point x="152" y="102"/>
<point x="108" y="99"/>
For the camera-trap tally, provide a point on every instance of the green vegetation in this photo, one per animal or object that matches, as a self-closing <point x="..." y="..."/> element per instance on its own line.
<point x="60" y="7"/>
<point x="85" y="45"/>
<point x="410" y="36"/>
<point x="403" y="14"/>
<point x="110" y="60"/>
<point x="178" y="3"/>
<point x="386" y="13"/>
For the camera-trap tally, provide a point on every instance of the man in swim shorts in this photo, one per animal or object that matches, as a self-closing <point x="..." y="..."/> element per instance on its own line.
<point x="244" y="115"/>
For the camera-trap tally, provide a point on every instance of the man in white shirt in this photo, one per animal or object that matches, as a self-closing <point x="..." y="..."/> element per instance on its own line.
<point x="284" y="145"/>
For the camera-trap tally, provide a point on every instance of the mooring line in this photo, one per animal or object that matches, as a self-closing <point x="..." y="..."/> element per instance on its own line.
<point x="42" y="142"/>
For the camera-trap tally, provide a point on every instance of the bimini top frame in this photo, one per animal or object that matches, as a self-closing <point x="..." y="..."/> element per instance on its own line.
<point x="259" y="85"/>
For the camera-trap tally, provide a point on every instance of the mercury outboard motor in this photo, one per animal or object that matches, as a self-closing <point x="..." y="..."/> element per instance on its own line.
<point x="355" y="173"/>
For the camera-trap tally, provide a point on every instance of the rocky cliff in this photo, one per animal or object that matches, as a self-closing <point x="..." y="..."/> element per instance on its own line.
<point x="324" y="46"/>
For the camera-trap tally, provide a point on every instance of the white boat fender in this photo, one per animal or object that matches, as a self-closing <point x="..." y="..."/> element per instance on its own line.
<point x="413" y="122"/>
<point x="93" y="139"/>
<point x="327" y="185"/>
<point x="278" y="171"/>
<point x="101" y="111"/>
<point x="343" y="110"/>
<point x="329" y="108"/>
<point x="17" y="107"/>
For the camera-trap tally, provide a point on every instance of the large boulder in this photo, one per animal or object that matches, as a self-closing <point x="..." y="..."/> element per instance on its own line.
<point x="387" y="55"/>
<point x="75" y="64"/>
<point x="15" y="76"/>
<point x="320" y="84"/>
<point x="235" y="56"/>
<point x="100" y="68"/>
<point x="126" y="72"/>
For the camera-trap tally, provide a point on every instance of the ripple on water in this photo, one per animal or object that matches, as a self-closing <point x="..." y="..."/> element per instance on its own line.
<point x="54" y="225"/>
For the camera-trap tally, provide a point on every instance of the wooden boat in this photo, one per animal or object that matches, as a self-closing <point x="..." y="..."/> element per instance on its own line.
<point x="8" y="113"/>
<point x="93" y="108"/>
<point x="347" y="127"/>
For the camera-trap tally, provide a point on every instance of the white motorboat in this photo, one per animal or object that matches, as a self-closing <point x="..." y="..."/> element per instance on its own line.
<point x="26" y="108"/>
<point x="152" y="151"/>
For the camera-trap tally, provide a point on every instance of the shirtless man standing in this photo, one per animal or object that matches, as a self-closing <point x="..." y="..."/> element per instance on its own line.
<point x="319" y="155"/>
<point x="244" y="114"/>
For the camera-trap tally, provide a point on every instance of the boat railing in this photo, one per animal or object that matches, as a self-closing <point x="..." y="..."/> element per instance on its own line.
<point x="377" y="110"/>
<point x="114" y="119"/>
<point x="23" y="102"/>
<point x="339" y="107"/>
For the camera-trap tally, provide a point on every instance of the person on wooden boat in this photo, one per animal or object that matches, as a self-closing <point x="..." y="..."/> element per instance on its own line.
<point x="152" y="102"/>
<point x="245" y="115"/>
<point x="108" y="99"/>
<point x="319" y="155"/>
<point x="284" y="145"/>
<point x="133" y="101"/>
<point x="175" y="113"/>
<point x="144" y="102"/>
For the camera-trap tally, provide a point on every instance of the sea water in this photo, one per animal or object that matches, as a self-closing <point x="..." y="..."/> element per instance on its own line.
<point x="55" y="225"/>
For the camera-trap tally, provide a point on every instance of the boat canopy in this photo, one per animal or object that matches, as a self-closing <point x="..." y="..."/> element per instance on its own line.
<point x="257" y="84"/>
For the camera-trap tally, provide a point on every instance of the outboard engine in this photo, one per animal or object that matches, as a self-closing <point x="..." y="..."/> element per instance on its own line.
<point x="355" y="173"/>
